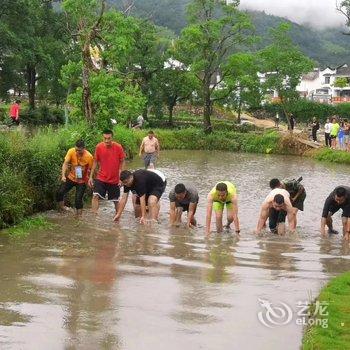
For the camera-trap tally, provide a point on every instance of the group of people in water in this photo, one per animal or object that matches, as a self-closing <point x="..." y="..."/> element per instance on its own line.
<point x="105" y="174"/>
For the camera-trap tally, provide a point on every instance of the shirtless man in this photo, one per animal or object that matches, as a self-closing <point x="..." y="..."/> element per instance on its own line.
<point x="149" y="150"/>
<point x="276" y="207"/>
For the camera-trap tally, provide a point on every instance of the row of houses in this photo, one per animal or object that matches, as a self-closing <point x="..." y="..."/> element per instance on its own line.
<point x="322" y="85"/>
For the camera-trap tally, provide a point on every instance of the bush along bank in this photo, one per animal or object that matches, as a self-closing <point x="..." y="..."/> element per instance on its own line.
<point x="31" y="164"/>
<point x="336" y="334"/>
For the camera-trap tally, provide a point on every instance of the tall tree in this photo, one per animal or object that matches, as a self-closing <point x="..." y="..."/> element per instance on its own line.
<point x="284" y="64"/>
<point x="85" y="19"/>
<point x="216" y="29"/>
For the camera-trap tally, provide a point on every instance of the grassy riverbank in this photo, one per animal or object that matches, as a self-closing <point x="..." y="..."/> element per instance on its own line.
<point x="337" y="335"/>
<point x="30" y="171"/>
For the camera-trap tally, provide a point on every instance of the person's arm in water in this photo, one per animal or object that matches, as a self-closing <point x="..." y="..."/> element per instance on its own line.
<point x="190" y="216"/>
<point x="209" y="213"/>
<point x="141" y="148"/>
<point x="64" y="171"/>
<point x="235" y="214"/>
<point x="121" y="206"/>
<point x="172" y="213"/>
<point x="290" y="215"/>
<point x="347" y="229"/>
<point x="325" y="212"/>
<point x="264" y="214"/>
<point x="143" y="209"/>
<point x="157" y="148"/>
<point x="92" y="173"/>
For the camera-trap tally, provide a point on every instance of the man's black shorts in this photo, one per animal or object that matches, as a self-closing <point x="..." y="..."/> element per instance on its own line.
<point x="158" y="191"/>
<point x="103" y="188"/>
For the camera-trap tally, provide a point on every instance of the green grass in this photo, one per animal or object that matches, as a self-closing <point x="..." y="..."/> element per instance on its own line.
<point x="337" y="334"/>
<point x="332" y="156"/>
<point x="27" y="226"/>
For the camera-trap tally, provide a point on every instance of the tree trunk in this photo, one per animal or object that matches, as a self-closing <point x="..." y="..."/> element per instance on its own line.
<point x="87" y="104"/>
<point x="208" y="108"/>
<point x="171" y="111"/>
<point x="31" y="79"/>
<point x="239" y="111"/>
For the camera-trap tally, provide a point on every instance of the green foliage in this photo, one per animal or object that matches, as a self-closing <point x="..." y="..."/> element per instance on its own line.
<point x="337" y="335"/>
<point x="341" y="82"/>
<point x="332" y="156"/>
<point x="25" y="227"/>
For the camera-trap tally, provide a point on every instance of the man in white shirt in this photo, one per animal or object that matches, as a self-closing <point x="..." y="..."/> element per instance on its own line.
<point x="327" y="133"/>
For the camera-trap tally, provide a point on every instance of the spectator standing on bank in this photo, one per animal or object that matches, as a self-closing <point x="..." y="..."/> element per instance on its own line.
<point x="315" y="127"/>
<point x="327" y="133"/>
<point x="334" y="133"/>
<point x="14" y="112"/>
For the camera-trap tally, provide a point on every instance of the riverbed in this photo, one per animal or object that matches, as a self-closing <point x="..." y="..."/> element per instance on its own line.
<point x="94" y="284"/>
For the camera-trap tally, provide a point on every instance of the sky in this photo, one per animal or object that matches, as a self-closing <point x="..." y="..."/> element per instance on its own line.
<point x="317" y="13"/>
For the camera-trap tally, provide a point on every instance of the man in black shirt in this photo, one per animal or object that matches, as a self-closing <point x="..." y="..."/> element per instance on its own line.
<point x="148" y="186"/>
<point x="338" y="199"/>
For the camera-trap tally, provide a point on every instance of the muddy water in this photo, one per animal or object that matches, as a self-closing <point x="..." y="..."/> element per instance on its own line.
<point x="97" y="285"/>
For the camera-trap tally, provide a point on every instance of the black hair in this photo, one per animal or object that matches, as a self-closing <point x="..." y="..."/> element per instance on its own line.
<point x="125" y="174"/>
<point x="180" y="188"/>
<point x="340" y="191"/>
<point x="80" y="144"/>
<point x="278" y="199"/>
<point x="18" y="101"/>
<point x="274" y="183"/>
<point x="107" y="131"/>
<point x="221" y="187"/>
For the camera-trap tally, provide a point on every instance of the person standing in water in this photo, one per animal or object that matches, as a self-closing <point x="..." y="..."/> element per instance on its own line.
<point x="149" y="150"/>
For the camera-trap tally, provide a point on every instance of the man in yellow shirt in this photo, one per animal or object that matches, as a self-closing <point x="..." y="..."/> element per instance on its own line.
<point x="75" y="173"/>
<point x="223" y="194"/>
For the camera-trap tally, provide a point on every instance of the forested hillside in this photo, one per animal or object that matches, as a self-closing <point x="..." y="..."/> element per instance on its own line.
<point x="327" y="47"/>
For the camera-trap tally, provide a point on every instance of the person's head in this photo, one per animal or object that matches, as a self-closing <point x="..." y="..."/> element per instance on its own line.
<point x="127" y="178"/>
<point x="334" y="120"/>
<point x="222" y="191"/>
<point x="107" y="137"/>
<point x="278" y="202"/>
<point x="314" y="119"/>
<point x="328" y="120"/>
<point x="275" y="183"/>
<point x="18" y="101"/>
<point x="340" y="195"/>
<point x="80" y="147"/>
<point x="150" y="134"/>
<point x="180" y="191"/>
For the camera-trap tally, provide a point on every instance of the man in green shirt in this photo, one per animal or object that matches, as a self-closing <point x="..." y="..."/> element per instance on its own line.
<point x="334" y="133"/>
<point x="223" y="194"/>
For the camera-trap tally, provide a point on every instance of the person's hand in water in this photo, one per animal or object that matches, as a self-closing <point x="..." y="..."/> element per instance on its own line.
<point x="142" y="221"/>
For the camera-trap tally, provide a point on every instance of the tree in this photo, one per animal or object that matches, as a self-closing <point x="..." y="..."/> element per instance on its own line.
<point x="243" y="82"/>
<point x="341" y="82"/>
<point x="284" y="64"/>
<point x="177" y="84"/>
<point x="86" y="19"/>
<point x="215" y="31"/>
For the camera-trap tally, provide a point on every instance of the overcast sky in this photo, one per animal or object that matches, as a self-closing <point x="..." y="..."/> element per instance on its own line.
<point x="317" y="13"/>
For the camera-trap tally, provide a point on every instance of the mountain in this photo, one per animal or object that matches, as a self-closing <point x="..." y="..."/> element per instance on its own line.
<point x="327" y="47"/>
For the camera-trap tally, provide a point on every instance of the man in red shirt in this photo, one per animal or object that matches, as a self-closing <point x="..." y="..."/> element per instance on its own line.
<point x="14" y="112"/>
<point x="110" y="159"/>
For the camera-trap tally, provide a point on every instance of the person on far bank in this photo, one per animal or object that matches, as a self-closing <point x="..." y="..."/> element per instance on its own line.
<point x="346" y="134"/>
<point x="223" y="194"/>
<point x="339" y="198"/>
<point x="334" y="133"/>
<point x="183" y="198"/>
<point x="75" y="173"/>
<point x="14" y="112"/>
<point x="327" y="132"/>
<point x="110" y="160"/>
<point x="292" y="123"/>
<point x="314" y="128"/>
<point x="149" y="150"/>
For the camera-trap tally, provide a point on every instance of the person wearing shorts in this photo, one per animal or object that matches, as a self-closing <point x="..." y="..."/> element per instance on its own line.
<point x="183" y="198"/>
<point x="296" y="191"/>
<point x="223" y="194"/>
<point x="149" y="150"/>
<point x="276" y="207"/>
<point x="75" y="173"/>
<point x="148" y="186"/>
<point x="110" y="159"/>
<point x="339" y="198"/>
<point x="334" y="133"/>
